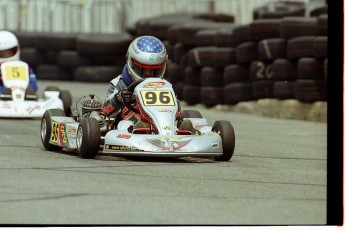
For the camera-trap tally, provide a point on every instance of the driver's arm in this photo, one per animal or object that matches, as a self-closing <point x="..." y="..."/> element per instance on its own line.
<point x="111" y="105"/>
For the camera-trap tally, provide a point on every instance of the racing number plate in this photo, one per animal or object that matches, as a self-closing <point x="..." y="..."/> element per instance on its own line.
<point x="15" y="73"/>
<point x="157" y="98"/>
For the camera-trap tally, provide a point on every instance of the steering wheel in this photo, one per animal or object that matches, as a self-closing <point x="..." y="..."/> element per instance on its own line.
<point x="130" y="88"/>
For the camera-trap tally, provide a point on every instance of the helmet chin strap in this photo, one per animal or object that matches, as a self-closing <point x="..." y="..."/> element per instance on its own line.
<point x="125" y="76"/>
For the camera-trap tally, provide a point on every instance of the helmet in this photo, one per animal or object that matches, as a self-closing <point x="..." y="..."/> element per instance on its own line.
<point x="9" y="47"/>
<point x="146" y="57"/>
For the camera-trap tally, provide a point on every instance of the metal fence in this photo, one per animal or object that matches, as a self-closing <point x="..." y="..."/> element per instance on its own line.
<point x="106" y="16"/>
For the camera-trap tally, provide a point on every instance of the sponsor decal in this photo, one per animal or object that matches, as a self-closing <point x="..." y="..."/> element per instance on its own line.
<point x="211" y="133"/>
<point x="152" y="57"/>
<point x="123" y="148"/>
<point x="164" y="111"/>
<point x="215" y="145"/>
<point x="54" y="136"/>
<point x="170" y="143"/>
<point x="166" y="127"/>
<point x="71" y="131"/>
<point x="32" y="108"/>
<point x="154" y="85"/>
<point x="125" y="136"/>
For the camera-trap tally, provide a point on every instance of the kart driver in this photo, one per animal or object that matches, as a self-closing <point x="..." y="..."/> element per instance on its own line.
<point x="10" y="51"/>
<point x="146" y="57"/>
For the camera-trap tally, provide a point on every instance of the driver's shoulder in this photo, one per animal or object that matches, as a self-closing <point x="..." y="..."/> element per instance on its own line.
<point x="118" y="82"/>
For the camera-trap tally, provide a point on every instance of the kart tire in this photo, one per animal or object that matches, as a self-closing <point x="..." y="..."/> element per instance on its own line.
<point x="52" y="88"/>
<point x="190" y="114"/>
<point x="90" y="139"/>
<point x="227" y="133"/>
<point x="46" y="128"/>
<point x="66" y="99"/>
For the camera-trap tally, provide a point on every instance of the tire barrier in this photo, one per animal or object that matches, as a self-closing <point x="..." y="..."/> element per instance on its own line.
<point x="281" y="54"/>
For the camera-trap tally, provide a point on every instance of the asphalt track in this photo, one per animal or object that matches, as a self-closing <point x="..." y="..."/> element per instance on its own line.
<point x="277" y="176"/>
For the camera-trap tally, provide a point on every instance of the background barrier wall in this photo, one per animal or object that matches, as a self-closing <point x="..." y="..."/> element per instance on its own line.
<point x="108" y="16"/>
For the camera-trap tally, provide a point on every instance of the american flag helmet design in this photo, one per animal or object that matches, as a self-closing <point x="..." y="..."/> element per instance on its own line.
<point x="146" y="57"/>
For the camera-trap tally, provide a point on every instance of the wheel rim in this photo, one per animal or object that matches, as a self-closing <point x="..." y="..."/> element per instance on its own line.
<point x="79" y="137"/>
<point x="43" y="129"/>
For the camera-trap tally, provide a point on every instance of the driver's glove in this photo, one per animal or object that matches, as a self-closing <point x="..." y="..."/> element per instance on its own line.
<point x="123" y="96"/>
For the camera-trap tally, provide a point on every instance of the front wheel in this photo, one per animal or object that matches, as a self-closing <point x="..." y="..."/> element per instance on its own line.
<point x="88" y="138"/>
<point x="227" y="133"/>
<point x="46" y="128"/>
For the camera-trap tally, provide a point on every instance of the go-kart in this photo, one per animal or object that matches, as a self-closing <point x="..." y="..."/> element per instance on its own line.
<point x="19" y="100"/>
<point x="155" y="100"/>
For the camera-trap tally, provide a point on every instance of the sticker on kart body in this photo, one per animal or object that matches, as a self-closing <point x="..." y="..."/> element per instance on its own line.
<point x="157" y="98"/>
<point x="18" y="73"/>
<point x="125" y="136"/>
<point x="171" y="144"/>
<point x="154" y="85"/>
<point x="123" y="148"/>
<point x="58" y="134"/>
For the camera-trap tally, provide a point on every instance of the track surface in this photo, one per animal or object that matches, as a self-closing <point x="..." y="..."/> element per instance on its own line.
<point x="277" y="176"/>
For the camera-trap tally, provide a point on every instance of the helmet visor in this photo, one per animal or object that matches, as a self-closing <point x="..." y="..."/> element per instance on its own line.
<point x="8" y="53"/>
<point x="145" y="70"/>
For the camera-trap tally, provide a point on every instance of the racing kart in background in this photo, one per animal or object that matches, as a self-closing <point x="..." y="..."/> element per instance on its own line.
<point x="157" y="103"/>
<point x="19" y="100"/>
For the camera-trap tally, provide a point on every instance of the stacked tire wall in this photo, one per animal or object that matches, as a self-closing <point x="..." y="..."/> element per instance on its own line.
<point x="281" y="54"/>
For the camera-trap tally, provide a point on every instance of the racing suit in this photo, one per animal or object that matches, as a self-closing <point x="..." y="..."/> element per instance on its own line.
<point x="32" y="81"/>
<point x="112" y="107"/>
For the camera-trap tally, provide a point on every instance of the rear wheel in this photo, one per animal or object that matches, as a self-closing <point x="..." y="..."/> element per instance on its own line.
<point x="227" y="133"/>
<point x="88" y="138"/>
<point x="66" y="99"/>
<point x="46" y="128"/>
<point x="189" y="114"/>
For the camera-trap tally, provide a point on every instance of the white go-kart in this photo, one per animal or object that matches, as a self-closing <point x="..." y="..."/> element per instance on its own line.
<point x="158" y="104"/>
<point x="19" y="100"/>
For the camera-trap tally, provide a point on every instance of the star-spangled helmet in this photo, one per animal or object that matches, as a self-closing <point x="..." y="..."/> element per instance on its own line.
<point x="146" y="54"/>
<point x="9" y="47"/>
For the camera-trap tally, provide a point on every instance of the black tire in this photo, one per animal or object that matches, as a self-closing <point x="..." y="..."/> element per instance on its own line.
<point x="310" y="68"/>
<point x="262" y="89"/>
<point x="66" y="99"/>
<point x="223" y="56"/>
<point x="242" y="34"/>
<point x="260" y="70"/>
<point x="284" y="90"/>
<point x="246" y="52"/>
<point x="205" y="37"/>
<point x="55" y="41"/>
<point x="46" y="128"/>
<point x="52" y="88"/>
<point x="211" y="95"/>
<point x="91" y="134"/>
<point x="320" y="47"/>
<point x="225" y="38"/>
<point x="53" y="72"/>
<point x="95" y="44"/>
<point x="299" y="47"/>
<point x="192" y="76"/>
<point x="237" y="92"/>
<point x="272" y="48"/>
<point x="284" y="69"/>
<point x="190" y="114"/>
<point x="174" y="73"/>
<point x="310" y="90"/>
<point x="322" y="24"/>
<point x="235" y="73"/>
<point x="227" y="133"/>
<point x="291" y="27"/>
<point x="200" y="56"/>
<point x="191" y="94"/>
<point x="265" y="28"/>
<point x="96" y="73"/>
<point x="210" y="76"/>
